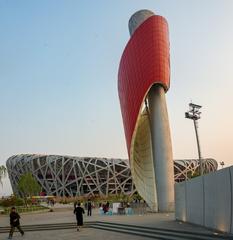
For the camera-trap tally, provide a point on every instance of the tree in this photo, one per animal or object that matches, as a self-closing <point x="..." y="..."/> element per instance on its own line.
<point x="28" y="186"/>
<point x="2" y="173"/>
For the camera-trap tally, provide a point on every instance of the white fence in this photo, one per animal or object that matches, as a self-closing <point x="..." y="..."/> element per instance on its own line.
<point x="207" y="200"/>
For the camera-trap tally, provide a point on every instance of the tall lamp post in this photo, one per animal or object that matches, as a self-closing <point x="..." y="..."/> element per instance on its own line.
<point x="195" y="114"/>
<point x="222" y="164"/>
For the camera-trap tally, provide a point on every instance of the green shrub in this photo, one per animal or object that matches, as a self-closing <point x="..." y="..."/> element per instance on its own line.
<point x="19" y="202"/>
<point x="11" y="201"/>
<point x="20" y="209"/>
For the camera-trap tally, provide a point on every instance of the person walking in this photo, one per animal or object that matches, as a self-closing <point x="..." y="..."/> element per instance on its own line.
<point x="14" y="222"/>
<point x="79" y="211"/>
<point x="89" y="207"/>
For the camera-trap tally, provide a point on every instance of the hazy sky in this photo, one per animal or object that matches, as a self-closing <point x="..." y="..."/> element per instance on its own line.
<point x="58" y="76"/>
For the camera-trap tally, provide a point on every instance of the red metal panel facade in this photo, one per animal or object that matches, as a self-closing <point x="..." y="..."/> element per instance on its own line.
<point x="145" y="62"/>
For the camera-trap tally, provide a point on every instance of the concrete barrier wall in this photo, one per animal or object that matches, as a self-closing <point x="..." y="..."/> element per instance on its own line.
<point x="218" y="202"/>
<point x="180" y="201"/>
<point x="231" y="175"/>
<point x="207" y="200"/>
<point x="195" y="201"/>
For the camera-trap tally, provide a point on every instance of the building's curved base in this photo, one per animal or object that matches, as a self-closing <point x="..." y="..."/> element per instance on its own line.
<point x="141" y="162"/>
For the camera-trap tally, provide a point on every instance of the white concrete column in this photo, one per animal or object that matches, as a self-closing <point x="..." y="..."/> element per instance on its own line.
<point x="161" y="148"/>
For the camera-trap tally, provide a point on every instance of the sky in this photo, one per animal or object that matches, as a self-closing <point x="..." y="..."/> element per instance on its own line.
<point x="58" y="76"/>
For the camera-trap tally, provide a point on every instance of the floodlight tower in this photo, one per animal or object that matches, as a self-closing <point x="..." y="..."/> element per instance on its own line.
<point x="222" y="164"/>
<point x="195" y="114"/>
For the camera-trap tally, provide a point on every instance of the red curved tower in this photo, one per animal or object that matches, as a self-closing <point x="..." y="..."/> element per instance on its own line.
<point x="143" y="79"/>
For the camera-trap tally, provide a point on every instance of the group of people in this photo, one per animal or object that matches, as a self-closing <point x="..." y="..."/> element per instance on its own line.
<point x="78" y="211"/>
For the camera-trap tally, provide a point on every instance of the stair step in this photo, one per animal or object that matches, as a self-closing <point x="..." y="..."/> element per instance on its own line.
<point x="156" y="234"/>
<point x="143" y="231"/>
<point x="132" y="233"/>
<point x="42" y="228"/>
<point x="223" y="236"/>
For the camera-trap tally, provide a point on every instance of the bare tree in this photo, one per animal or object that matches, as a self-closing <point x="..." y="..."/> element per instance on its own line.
<point x="2" y="173"/>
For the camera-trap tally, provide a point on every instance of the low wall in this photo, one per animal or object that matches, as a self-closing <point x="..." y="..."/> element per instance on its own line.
<point x="207" y="200"/>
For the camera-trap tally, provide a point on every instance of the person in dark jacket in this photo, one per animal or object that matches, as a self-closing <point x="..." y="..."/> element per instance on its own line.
<point x="14" y="222"/>
<point x="79" y="211"/>
<point x="89" y="207"/>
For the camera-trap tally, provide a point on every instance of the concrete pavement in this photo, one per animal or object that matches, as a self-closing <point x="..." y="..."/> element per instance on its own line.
<point x="165" y="221"/>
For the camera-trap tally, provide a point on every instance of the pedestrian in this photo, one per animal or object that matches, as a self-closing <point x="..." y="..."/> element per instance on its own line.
<point x="14" y="222"/>
<point x="89" y="207"/>
<point x="79" y="211"/>
<point x="106" y="207"/>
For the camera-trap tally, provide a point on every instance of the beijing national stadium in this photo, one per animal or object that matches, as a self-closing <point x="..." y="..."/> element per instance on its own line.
<point x="89" y="176"/>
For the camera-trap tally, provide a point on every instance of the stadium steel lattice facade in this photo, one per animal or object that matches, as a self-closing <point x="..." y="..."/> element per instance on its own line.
<point x="72" y="176"/>
<point x="77" y="176"/>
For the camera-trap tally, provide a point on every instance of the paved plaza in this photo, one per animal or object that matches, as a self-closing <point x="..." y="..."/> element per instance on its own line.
<point x="65" y="215"/>
<point x="71" y="234"/>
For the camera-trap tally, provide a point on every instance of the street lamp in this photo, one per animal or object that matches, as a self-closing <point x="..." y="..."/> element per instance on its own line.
<point x="222" y="164"/>
<point x="195" y="114"/>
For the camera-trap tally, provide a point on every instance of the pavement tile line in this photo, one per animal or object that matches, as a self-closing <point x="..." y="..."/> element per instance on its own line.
<point x="155" y="233"/>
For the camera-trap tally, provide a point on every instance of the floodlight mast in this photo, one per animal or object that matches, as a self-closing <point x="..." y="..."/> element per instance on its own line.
<point x="195" y="114"/>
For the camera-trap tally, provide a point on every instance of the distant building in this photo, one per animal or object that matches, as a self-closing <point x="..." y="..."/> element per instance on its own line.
<point x="86" y="176"/>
